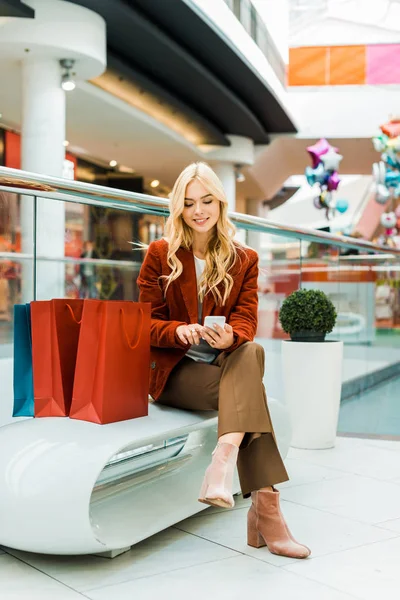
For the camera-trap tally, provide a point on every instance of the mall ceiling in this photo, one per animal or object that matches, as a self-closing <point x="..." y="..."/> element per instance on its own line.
<point x="169" y="47"/>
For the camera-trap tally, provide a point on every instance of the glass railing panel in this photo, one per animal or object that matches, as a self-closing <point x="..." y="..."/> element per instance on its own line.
<point x="370" y="398"/>
<point x="360" y="278"/>
<point x="279" y="275"/>
<point x="17" y="214"/>
<point x="100" y="254"/>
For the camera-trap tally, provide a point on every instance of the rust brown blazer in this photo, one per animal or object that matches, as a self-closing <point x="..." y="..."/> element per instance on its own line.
<point x="180" y="307"/>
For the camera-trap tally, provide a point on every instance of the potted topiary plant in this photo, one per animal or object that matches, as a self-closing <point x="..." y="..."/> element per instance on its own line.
<point x="307" y="315"/>
<point x="312" y="368"/>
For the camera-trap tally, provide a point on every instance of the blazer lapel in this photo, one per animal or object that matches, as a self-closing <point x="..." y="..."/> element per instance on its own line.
<point x="188" y="283"/>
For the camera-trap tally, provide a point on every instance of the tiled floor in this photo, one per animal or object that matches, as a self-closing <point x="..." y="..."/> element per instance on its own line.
<point x="344" y="503"/>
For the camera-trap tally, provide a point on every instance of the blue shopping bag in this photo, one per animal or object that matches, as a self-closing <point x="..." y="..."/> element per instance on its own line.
<point x="23" y="373"/>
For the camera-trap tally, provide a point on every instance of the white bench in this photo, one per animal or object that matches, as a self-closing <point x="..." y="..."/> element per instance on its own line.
<point x="72" y="487"/>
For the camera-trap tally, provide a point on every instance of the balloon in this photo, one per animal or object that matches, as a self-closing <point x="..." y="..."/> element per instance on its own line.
<point x="310" y="176"/>
<point x="394" y="144"/>
<point x="324" y="198"/>
<point x="379" y="142"/>
<point x="382" y="171"/>
<point x="391" y="160"/>
<point x="388" y="220"/>
<point x="382" y="194"/>
<point x="333" y="181"/>
<point x="392" y="128"/>
<point x="375" y="173"/>
<point x="392" y="178"/>
<point x="331" y="160"/>
<point x="342" y="205"/>
<point x="317" y="203"/>
<point x="316" y="175"/>
<point x="318" y="149"/>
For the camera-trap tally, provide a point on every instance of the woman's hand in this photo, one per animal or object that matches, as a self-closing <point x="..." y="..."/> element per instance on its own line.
<point x="189" y="334"/>
<point x="219" y="337"/>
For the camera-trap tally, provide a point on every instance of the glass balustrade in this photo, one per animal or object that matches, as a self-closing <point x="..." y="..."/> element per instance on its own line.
<point x="74" y="240"/>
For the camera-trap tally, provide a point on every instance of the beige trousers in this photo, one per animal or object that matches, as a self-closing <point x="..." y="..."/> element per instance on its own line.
<point x="233" y="386"/>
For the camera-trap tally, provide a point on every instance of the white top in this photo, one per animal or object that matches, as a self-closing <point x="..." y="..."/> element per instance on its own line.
<point x="203" y="352"/>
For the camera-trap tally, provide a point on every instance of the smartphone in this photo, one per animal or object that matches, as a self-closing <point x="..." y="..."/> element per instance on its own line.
<point x="210" y="320"/>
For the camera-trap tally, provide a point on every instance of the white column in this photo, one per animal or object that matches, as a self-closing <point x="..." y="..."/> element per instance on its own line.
<point x="43" y="134"/>
<point x="223" y="160"/>
<point x="254" y="238"/>
<point x="226" y="173"/>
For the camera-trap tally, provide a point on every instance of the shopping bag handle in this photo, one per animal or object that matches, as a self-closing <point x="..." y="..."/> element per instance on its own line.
<point x="132" y="346"/>
<point x="73" y="316"/>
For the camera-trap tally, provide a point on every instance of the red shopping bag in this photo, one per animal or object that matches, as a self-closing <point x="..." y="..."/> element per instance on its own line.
<point x="55" y="335"/>
<point x="113" y="362"/>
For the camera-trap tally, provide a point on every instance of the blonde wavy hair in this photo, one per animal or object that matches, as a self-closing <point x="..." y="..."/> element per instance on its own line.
<point x="222" y="250"/>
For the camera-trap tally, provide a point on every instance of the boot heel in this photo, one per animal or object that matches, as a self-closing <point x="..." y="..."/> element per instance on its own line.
<point x="254" y="537"/>
<point x="203" y="490"/>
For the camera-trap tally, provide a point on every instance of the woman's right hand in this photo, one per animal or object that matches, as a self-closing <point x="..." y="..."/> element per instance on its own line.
<point x="189" y="334"/>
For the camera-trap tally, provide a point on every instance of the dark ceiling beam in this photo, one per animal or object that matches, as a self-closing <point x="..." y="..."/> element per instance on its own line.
<point x="15" y="8"/>
<point x="207" y="133"/>
<point x="174" y="46"/>
<point x="139" y="41"/>
<point x="219" y="54"/>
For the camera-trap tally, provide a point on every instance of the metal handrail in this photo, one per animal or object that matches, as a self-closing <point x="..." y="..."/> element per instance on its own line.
<point x="96" y="262"/>
<point x="65" y="190"/>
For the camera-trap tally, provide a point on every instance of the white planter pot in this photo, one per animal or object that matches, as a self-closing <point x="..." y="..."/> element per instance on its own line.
<point x="312" y="376"/>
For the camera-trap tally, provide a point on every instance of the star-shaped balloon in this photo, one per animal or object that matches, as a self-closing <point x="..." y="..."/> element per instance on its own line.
<point x="318" y="149"/>
<point x="333" y="181"/>
<point x="331" y="160"/>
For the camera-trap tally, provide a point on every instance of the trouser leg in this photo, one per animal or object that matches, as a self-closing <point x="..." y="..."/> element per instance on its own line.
<point x="233" y="386"/>
<point x="243" y="407"/>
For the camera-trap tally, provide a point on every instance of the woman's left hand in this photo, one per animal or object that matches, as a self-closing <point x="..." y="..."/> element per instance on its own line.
<point x="220" y="338"/>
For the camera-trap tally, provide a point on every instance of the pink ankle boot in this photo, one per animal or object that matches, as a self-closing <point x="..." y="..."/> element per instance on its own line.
<point x="218" y="479"/>
<point x="266" y="526"/>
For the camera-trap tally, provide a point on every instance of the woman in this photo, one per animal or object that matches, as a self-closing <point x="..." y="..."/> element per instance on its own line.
<point x="198" y="269"/>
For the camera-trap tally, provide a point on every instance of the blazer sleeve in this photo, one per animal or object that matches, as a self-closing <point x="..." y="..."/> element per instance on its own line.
<point x="162" y="332"/>
<point x="244" y="316"/>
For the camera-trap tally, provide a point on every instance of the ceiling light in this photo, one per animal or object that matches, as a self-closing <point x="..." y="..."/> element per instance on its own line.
<point x="240" y="177"/>
<point x="67" y="81"/>
<point x="113" y="163"/>
<point x="155" y="183"/>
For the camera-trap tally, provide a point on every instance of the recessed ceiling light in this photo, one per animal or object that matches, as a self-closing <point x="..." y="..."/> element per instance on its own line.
<point x="113" y="163"/>
<point x="155" y="183"/>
